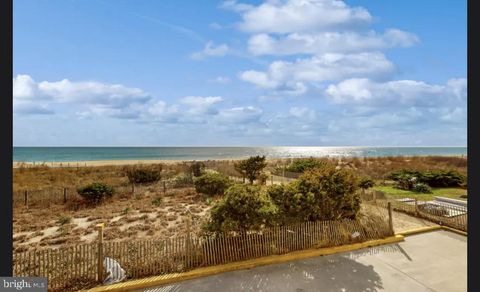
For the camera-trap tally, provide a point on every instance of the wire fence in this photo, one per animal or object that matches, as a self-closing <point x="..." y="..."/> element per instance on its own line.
<point x="38" y="198"/>
<point x="46" y="197"/>
<point x="86" y="265"/>
<point x="442" y="211"/>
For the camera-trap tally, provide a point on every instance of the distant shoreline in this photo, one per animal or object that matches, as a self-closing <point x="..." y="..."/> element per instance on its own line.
<point x="90" y="163"/>
<point x="125" y="155"/>
<point x="93" y="163"/>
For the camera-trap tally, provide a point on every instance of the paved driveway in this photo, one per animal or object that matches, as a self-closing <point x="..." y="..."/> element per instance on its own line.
<point x="434" y="261"/>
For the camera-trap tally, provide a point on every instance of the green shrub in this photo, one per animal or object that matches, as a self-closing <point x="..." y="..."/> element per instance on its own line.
<point x="319" y="194"/>
<point x="126" y="210"/>
<point x="182" y="181"/>
<point x="301" y="165"/>
<point x="406" y="179"/>
<point x="144" y="175"/>
<point x="212" y="183"/>
<point x="292" y="205"/>
<point x="262" y="178"/>
<point x="64" y="220"/>
<point x="400" y="174"/>
<point x="251" y="168"/>
<point x="244" y="207"/>
<point x="324" y="193"/>
<point x="366" y="183"/>
<point x="96" y="192"/>
<point x="422" y="188"/>
<point x="197" y="168"/>
<point x="157" y="201"/>
<point x="443" y="178"/>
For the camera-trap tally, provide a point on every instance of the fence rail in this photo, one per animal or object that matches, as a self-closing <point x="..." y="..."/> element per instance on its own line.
<point x="58" y="195"/>
<point x="78" y="264"/>
<point x="441" y="213"/>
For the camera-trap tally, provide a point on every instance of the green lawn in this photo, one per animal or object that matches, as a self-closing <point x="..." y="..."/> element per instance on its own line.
<point x="453" y="193"/>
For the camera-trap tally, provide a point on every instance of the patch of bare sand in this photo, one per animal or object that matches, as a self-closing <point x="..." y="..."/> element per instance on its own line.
<point x="403" y="222"/>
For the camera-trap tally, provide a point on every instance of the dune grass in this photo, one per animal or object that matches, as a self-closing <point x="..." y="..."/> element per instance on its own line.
<point x="393" y="192"/>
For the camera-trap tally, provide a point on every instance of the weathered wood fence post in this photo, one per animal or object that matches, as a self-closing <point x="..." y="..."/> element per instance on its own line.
<point x="271" y="179"/>
<point x="26" y="197"/>
<point x="390" y="218"/>
<point x="64" y="195"/>
<point x="133" y="189"/>
<point x="100" y="271"/>
<point x="164" y="187"/>
<point x="416" y="207"/>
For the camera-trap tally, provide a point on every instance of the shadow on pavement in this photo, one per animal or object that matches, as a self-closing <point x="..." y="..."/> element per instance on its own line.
<point x="337" y="273"/>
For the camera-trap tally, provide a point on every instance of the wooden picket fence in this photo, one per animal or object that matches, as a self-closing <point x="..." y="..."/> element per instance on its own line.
<point x="80" y="266"/>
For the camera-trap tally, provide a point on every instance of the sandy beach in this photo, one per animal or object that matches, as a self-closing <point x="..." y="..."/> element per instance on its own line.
<point x="17" y="164"/>
<point x="92" y="163"/>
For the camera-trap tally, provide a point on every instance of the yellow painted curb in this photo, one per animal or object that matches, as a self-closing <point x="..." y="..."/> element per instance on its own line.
<point x="455" y="230"/>
<point x="248" y="264"/>
<point x="419" y="230"/>
<point x="430" y="228"/>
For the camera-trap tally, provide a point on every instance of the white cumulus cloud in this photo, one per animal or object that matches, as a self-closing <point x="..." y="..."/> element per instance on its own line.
<point x="288" y="16"/>
<point x="211" y="50"/>
<point x="243" y="114"/>
<point x="101" y="98"/>
<point x="398" y="92"/>
<point x="286" y="75"/>
<point x="328" y="42"/>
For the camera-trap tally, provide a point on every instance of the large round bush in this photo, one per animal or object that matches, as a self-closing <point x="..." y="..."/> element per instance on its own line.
<point x="422" y="188"/>
<point x="303" y="164"/>
<point x="444" y="178"/>
<point x="406" y="179"/>
<point x="324" y="193"/>
<point x="96" y="192"/>
<point x="211" y="183"/>
<point x="182" y="180"/>
<point x="366" y="183"/>
<point x="144" y="175"/>
<point x="244" y="207"/>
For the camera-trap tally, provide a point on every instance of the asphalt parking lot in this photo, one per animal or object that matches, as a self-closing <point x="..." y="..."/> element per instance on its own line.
<point x="432" y="261"/>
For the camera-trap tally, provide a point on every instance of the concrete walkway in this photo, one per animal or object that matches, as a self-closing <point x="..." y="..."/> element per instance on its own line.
<point x="433" y="261"/>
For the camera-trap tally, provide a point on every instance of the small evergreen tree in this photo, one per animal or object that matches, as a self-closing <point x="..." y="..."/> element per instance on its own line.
<point x="251" y="168"/>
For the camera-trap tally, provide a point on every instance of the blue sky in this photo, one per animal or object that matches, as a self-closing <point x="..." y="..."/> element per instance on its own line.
<point x="239" y="73"/>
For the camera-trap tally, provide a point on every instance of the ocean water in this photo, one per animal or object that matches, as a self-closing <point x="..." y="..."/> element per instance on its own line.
<point x="55" y="154"/>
